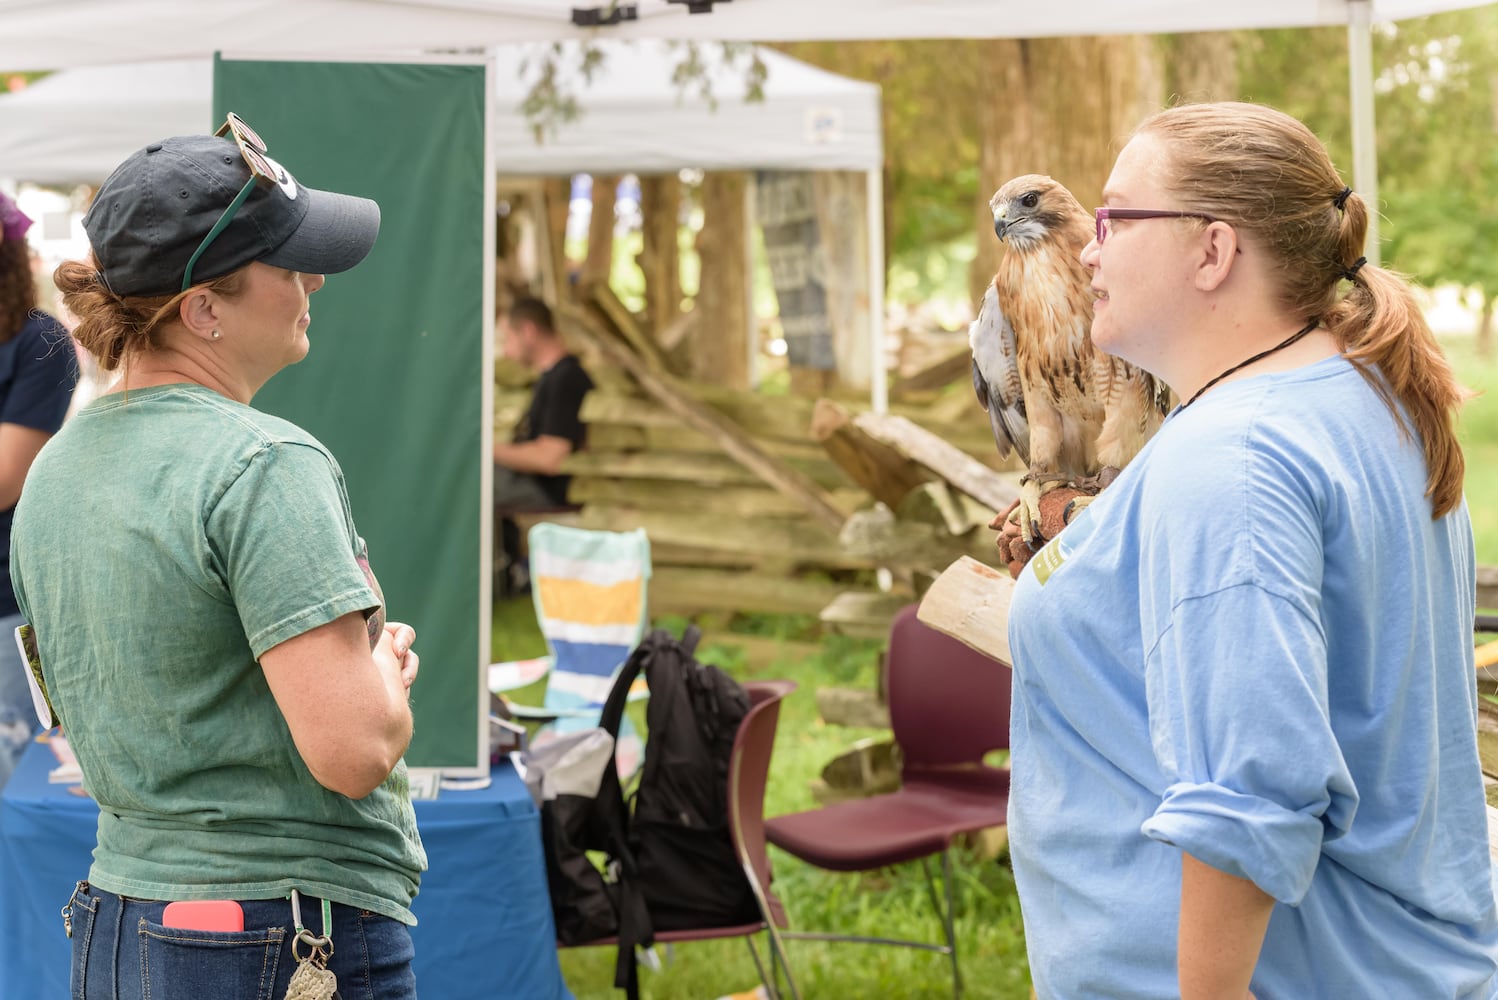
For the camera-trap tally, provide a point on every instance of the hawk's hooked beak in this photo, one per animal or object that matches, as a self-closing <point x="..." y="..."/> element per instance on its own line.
<point x="1000" y="227"/>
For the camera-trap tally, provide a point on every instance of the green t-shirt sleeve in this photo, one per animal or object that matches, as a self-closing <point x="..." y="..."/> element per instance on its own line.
<point x="285" y="541"/>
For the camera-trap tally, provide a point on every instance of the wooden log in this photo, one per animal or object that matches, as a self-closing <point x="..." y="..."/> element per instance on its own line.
<point x="557" y="198"/>
<point x="732" y="438"/>
<point x="936" y="375"/>
<point x="600" y="256"/>
<point x="720" y="351"/>
<point x="885" y="472"/>
<point x="1487" y="586"/>
<point x="965" y="473"/>
<point x="609" y="311"/>
<point x="938" y="504"/>
<point x="877" y="535"/>
<point x="660" y="254"/>
<point x="863" y="615"/>
<point x="970" y="602"/>
<point x="678" y="331"/>
<point x="840" y="706"/>
<point x="681" y="590"/>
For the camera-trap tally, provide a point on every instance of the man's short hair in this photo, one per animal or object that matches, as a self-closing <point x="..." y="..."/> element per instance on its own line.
<point x="533" y="310"/>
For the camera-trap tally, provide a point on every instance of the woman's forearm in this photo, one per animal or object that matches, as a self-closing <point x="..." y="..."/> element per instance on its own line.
<point x="1223" y="920"/>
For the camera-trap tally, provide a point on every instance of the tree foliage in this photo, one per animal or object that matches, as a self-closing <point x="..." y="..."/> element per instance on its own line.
<point x="1436" y="114"/>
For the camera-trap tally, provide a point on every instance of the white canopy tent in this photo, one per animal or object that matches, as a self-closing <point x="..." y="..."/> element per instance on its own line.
<point x="50" y="34"/>
<point x="74" y="126"/>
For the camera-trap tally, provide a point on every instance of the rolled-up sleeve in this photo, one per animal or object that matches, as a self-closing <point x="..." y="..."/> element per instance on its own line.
<point x="1255" y="779"/>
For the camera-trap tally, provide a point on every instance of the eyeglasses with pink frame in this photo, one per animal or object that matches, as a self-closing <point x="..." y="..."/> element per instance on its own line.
<point x="1105" y="214"/>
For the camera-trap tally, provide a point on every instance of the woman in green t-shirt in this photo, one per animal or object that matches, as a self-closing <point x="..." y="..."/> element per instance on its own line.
<point x="211" y="636"/>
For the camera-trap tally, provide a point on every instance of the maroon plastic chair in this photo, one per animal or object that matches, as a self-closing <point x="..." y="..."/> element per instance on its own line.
<point x="948" y="706"/>
<point x="748" y="771"/>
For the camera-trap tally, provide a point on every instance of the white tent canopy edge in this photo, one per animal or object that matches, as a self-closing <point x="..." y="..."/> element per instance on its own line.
<point x="58" y="33"/>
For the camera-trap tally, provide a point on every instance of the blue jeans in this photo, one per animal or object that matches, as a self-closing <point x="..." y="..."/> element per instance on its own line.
<point x="122" y="952"/>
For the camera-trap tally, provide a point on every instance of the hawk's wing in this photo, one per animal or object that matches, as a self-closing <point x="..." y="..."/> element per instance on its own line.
<point x="996" y="376"/>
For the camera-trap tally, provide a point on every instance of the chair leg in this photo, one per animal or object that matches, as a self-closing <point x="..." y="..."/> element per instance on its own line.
<point x="777" y="948"/>
<point x="771" y="993"/>
<point x="947" y="913"/>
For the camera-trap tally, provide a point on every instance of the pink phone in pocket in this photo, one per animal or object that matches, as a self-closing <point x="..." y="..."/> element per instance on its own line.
<point x="204" y="915"/>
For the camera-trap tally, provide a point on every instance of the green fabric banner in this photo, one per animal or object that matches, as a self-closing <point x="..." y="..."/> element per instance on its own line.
<point x="395" y="381"/>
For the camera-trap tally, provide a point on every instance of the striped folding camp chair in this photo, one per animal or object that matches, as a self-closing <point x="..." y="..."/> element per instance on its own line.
<point x="589" y="588"/>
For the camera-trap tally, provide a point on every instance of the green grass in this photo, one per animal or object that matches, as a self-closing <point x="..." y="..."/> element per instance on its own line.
<point x="890" y="903"/>
<point x="1478" y="429"/>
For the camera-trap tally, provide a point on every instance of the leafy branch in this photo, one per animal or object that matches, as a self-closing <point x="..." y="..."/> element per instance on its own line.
<point x="552" y="100"/>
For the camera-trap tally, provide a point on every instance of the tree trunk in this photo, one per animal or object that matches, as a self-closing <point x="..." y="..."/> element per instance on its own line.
<point x="1204" y="67"/>
<point x="720" y="342"/>
<point x="1485" y="327"/>
<point x="556" y="197"/>
<point x="600" y="260"/>
<point x="660" y="256"/>
<point x="842" y="228"/>
<point x="1035" y="120"/>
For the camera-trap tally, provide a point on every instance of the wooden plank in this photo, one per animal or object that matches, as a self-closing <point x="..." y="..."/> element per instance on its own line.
<point x="730" y="436"/>
<point x="693" y="590"/>
<point x="700" y="467"/>
<point x="805" y="453"/>
<point x="800" y="540"/>
<point x="780" y="417"/>
<point x="764" y="651"/>
<point x="970" y="602"/>
<point x="956" y="467"/>
<point x="753" y="500"/>
<point x="668" y="554"/>
<point x="887" y="474"/>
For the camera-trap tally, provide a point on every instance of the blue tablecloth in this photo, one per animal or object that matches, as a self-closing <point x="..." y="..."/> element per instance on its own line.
<point x="485" y="928"/>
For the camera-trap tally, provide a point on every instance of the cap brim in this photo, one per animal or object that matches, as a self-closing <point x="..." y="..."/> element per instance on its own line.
<point x="337" y="232"/>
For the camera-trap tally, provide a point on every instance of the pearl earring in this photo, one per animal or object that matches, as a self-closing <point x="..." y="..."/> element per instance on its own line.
<point x="217" y="334"/>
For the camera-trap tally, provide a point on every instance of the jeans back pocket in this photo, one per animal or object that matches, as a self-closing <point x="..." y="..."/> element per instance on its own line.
<point x="178" y="964"/>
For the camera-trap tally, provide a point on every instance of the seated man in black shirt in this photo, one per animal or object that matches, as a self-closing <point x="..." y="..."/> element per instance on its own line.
<point x="527" y="471"/>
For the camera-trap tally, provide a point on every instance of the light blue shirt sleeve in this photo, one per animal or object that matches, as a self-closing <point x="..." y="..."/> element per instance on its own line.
<point x="1237" y="695"/>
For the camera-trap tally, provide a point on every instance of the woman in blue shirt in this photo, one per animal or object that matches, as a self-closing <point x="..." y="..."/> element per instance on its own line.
<point x="37" y="373"/>
<point x="1244" y="732"/>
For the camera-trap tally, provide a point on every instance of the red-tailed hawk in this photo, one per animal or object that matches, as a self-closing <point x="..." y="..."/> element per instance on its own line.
<point x="1072" y="413"/>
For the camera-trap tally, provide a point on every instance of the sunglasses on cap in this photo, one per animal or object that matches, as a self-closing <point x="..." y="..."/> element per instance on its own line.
<point x="252" y="148"/>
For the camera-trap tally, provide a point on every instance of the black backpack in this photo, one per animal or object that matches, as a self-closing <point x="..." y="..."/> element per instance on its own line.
<point x="671" y="857"/>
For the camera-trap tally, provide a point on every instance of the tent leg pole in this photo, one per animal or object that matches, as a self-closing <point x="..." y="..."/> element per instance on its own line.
<point x="1364" y="143"/>
<point x="878" y="387"/>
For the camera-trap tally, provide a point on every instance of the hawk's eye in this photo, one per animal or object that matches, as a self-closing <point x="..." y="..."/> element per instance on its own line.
<point x="1030" y="200"/>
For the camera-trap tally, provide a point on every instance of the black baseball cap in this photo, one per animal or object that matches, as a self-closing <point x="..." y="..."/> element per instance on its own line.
<point x="154" y="211"/>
